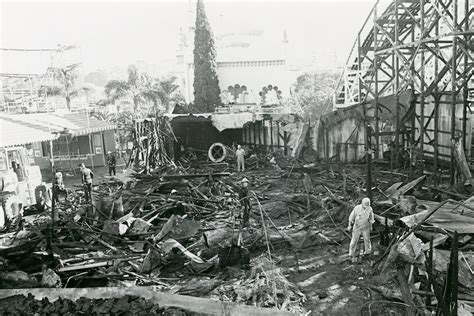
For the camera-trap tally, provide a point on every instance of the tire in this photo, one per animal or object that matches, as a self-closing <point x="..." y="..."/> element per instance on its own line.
<point x="217" y="152"/>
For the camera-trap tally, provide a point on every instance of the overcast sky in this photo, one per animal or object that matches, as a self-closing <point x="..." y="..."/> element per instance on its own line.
<point x="120" y="33"/>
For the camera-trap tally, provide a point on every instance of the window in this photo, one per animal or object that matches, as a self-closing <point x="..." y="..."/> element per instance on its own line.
<point x="96" y="140"/>
<point x="45" y="149"/>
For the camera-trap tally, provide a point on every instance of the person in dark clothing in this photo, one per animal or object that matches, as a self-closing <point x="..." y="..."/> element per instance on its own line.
<point x="111" y="162"/>
<point x="87" y="176"/>
<point x="244" y="199"/>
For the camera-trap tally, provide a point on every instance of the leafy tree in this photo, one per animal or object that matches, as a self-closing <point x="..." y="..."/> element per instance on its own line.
<point x="99" y="78"/>
<point x="315" y="92"/>
<point x="206" y="83"/>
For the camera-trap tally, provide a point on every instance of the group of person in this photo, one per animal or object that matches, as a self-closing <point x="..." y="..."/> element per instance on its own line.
<point x="87" y="175"/>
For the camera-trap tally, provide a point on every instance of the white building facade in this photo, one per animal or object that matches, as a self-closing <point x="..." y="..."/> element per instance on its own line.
<point x="250" y="69"/>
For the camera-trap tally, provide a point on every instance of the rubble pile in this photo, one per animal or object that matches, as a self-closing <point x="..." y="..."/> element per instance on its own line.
<point x="425" y="246"/>
<point x="126" y="305"/>
<point x="266" y="286"/>
<point x="154" y="229"/>
<point x="180" y="230"/>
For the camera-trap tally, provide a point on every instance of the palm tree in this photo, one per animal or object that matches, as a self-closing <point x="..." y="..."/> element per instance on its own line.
<point x="164" y="94"/>
<point x="143" y="91"/>
<point x="67" y="88"/>
<point x="135" y="88"/>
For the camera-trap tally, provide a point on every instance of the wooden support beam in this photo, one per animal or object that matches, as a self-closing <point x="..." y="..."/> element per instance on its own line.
<point x="437" y="99"/>
<point x="422" y="95"/>
<point x="197" y="305"/>
<point x="397" y="87"/>
<point x="326" y="145"/>
<point x="429" y="270"/>
<point x="369" y="160"/>
<point x="453" y="96"/>
<point x="359" y="69"/>
<point x="264" y="134"/>
<point x="259" y="133"/>
<point x="254" y="133"/>
<point x="450" y="295"/>
<point x="271" y="133"/>
<point x="376" y="91"/>
<point x="465" y="94"/>
<point x="278" y="134"/>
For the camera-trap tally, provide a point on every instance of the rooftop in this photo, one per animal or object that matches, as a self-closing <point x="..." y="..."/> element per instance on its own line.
<point x="20" y="129"/>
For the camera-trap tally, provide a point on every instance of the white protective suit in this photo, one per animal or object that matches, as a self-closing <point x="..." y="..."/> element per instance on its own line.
<point x="361" y="220"/>
<point x="239" y="154"/>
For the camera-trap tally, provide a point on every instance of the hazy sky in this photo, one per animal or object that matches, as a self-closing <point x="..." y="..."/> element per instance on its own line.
<point x="120" y="33"/>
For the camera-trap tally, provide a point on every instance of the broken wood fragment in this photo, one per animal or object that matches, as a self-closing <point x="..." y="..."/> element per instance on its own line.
<point x="86" y="266"/>
<point x="183" y="176"/>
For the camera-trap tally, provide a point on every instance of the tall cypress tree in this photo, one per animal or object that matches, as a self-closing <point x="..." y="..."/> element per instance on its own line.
<point x="206" y="83"/>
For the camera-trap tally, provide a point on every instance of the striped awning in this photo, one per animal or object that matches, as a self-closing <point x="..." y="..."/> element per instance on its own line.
<point x="22" y="129"/>
<point x="14" y="134"/>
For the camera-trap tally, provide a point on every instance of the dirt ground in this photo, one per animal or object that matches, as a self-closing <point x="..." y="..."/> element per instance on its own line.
<point x="73" y="179"/>
<point x="332" y="284"/>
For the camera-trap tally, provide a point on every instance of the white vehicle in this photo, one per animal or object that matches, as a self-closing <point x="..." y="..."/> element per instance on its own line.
<point x="19" y="179"/>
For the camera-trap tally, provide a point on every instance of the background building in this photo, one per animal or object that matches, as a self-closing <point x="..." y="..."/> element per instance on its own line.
<point x="246" y="63"/>
<point x="75" y="138"/>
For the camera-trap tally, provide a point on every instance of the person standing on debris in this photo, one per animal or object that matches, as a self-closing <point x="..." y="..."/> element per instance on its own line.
<point x="239" y="154"/>
<point x="87" y="176"/>
<point x="244" y="199"/>
<point x="58" y="184"/>
<point x="111" y="162"/>
<point x="360" y="222"/>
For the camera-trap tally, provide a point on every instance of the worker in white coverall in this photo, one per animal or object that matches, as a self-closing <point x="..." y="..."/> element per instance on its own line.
<point x="360" y="222"/>
<point x="239" y="154"/>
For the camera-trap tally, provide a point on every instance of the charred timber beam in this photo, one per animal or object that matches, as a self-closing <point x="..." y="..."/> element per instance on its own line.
<point x="184" y="176"/>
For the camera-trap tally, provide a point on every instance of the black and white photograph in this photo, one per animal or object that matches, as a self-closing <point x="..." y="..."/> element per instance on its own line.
<point x="237" y="157"/>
